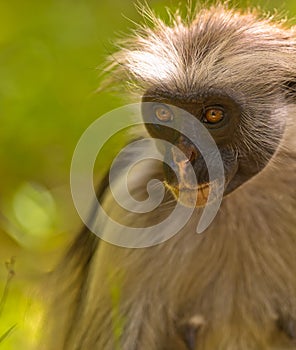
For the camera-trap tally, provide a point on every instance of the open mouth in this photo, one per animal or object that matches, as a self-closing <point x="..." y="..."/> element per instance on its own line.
<point x="195" y="196"/>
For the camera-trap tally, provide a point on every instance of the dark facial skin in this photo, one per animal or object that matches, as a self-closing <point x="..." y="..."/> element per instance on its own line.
<point x="221" y="115"/>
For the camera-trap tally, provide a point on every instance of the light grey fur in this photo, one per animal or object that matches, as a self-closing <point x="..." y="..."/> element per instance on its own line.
<point x="238" y="276"/>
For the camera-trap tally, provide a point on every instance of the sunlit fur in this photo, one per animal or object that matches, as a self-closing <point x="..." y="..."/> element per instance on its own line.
<point x="239" y="276"/>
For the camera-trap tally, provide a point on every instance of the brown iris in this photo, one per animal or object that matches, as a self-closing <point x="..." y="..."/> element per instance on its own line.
<point x="213" y="115"/>
<point x="163" y="113"/>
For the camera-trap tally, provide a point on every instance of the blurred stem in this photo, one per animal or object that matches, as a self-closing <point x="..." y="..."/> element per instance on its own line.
<point x="6" y="334"/>
<point x="10" y="273"/>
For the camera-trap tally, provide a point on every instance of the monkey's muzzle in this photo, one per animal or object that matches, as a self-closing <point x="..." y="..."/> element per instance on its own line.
<point x="187" y="177"/>
<point x="197" y="196"/>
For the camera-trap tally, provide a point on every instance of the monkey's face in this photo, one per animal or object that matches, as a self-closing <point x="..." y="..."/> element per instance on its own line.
<point x="169" y="118"/>
<point x="233" y="73"/>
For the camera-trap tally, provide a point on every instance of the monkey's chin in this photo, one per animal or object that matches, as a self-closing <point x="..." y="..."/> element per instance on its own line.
<point x="193" y="197"/>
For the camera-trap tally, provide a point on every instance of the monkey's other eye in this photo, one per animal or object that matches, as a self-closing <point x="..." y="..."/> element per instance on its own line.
<point x="213" y="115"/>
<point x="163" y="113"/>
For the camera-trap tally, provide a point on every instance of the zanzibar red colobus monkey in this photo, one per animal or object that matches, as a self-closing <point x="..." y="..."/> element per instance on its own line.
<point x="233" y="287"/>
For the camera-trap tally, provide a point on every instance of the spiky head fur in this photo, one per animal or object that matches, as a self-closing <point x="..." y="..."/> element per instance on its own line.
<point x="216" y="49"/>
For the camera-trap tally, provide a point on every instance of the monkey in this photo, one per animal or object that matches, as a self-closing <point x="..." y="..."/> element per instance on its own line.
<point x="232" y="287"/>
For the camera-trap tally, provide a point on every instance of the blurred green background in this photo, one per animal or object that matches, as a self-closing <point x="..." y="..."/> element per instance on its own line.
<point x="49" y="54"/>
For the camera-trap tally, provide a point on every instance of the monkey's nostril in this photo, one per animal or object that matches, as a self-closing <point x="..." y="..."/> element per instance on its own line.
<point x="192" y="156"/>
<point x="188" y="150"/>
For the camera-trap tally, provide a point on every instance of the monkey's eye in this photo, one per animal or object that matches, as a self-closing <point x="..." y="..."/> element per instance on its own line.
<point x="163" y="113"/>
<point x="213" y="115"/>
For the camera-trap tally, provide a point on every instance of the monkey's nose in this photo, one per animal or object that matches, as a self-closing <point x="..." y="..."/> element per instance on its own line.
<point x="189" y="152"/>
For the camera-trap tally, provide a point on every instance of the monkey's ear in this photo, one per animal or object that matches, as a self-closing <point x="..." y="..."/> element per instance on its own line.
<point x="290" y="89"/>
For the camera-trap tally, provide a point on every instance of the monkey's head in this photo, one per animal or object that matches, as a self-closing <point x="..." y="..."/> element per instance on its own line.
<point x="231" y="71"/>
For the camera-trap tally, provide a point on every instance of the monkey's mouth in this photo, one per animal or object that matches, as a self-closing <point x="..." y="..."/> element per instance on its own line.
<point x="195" y="196"/>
